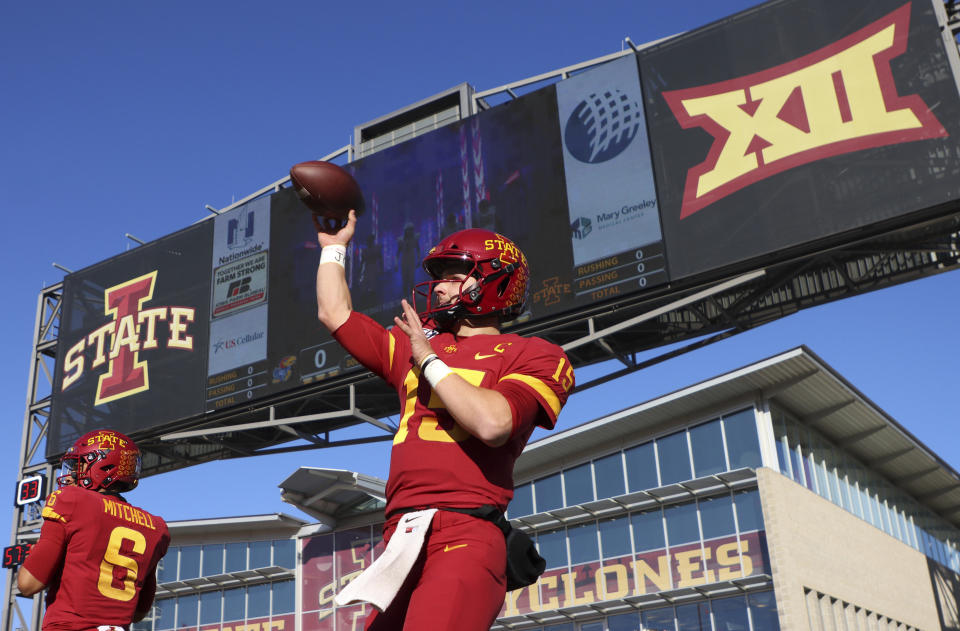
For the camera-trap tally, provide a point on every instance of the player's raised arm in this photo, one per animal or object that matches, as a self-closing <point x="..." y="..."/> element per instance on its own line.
<point x="333" y="296"/>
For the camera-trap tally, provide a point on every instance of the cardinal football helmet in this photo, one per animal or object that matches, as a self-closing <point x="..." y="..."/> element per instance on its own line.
<point x="498" y="265"/>
<point x="102" y="459"/>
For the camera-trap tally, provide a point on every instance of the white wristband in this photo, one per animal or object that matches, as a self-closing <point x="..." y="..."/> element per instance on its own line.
<point x="435" y="370"/>
<point x="333" y="254"/>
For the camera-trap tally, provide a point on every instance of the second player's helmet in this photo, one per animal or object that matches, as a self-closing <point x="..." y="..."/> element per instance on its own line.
<point x="102" y="459"/>
<point x="498" y="265"/>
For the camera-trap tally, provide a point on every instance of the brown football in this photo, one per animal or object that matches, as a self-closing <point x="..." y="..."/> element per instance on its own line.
<point x="326" y="188"/>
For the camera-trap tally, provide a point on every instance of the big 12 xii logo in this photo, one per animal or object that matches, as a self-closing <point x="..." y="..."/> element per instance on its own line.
<point x="836" y="100"/>
<point x="133" y="327"/>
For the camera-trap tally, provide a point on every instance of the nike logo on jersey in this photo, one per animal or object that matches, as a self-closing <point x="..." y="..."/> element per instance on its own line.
<point x="448" y="547"/>
<point x="498" y="349"/>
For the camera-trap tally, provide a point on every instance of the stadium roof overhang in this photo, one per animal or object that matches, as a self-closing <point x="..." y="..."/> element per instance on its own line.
<point x="334" y="496"/>
<point x="807" y="388"/>
<point x="248" y="524"/>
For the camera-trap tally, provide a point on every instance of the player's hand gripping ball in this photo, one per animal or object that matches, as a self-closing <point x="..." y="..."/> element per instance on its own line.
<point x="326" y="189"/>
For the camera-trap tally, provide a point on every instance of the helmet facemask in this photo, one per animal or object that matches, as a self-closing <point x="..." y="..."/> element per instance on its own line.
<point x="441" y="316"/>
<point x="490" y="276"/>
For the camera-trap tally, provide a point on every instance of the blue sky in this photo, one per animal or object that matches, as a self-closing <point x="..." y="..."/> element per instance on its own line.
<point x="122" y="117"/>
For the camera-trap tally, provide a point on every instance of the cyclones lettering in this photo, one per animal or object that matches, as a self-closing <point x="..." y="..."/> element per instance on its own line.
<point x="131" y="330"/>
<point x="329" y="566"/>
<point x="646" y="573"/>
<point x="836" y="100"/>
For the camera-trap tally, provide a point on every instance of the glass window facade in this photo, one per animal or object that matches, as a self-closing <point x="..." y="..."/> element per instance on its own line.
<point x="584" y="546"/>
<point x="751" y="612"/>
<point x="728" y="515"/>
<point x="747" y="506"/>
<point x="810" y="459"/>
<point x="212" y="559"/>
<point x="236" y="557"/>
<point x="693" y="617"/>
<point x="716" y="515"/>
<point x="578" y="485"/>
<point x="284" y="597"/>
<point x="721" y="444"/>
<point x="522" y="502"/>
<point x="167" y="567"/>
<point x="614" y="537"/>
<point x="258" y="601"/>
<point x="234" y="604"/>
<point x="740" y="436"/>
<point x="553" y="548"/>
<point x="189" y="562"/>
<point x="214" y="607"/>
<point x="259" y="554"/>
<point x="548" y="493"/>
<point x="186" y="562"/>
<point x="608" y="472"/>
<point x="285" y="553"/>
<point x="210" y="607"/>
<point x="188" y="608"/>
<point x="682" y="525"/>
<point x="164" y="613"/>
<point x="674" y="458"/>
<point x="706" y="444"/>
<point x="641" y="467"/>
<point x="648" y="531"/>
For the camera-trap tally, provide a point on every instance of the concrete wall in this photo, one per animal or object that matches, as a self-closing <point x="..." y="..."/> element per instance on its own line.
<point x="817" y="545"/>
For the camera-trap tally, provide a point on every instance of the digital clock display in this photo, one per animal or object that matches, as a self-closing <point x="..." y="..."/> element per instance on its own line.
<point x="30" y="490"/>
<point x="15" y="555"/>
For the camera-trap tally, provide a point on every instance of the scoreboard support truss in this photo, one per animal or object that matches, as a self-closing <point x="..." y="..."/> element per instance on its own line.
<point x="25" y="527"/>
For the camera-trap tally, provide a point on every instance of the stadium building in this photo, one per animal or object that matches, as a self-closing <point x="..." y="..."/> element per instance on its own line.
<point x="776" y="496"/>
<point x="676" y="203"/>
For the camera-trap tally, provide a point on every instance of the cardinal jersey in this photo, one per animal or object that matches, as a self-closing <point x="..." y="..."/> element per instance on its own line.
<point x="435" y="462"/>
<point x="109" y="550"/>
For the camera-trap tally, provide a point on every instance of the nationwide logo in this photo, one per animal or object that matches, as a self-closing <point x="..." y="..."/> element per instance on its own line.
<point x="118" y="342"/>
<point x="836" y="100"/>
<point x="241" y="230"/>
<point x="602" y="126"/>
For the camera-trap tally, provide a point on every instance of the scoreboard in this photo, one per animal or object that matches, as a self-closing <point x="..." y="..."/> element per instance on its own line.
<point x="15" y="555"/>
<point x="651" y="172"/>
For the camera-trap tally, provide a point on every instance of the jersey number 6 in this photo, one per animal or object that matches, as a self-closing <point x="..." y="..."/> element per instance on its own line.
<point x="113" y="558"/>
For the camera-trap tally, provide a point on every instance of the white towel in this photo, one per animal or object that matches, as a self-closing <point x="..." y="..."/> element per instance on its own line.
<point x="379" y="583"/>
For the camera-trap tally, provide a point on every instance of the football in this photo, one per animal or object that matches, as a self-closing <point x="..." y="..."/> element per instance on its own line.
<point x="326" y="189"/>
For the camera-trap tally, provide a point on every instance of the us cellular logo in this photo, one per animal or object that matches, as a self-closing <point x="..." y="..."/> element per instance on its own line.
<point x="602" y="126"/>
